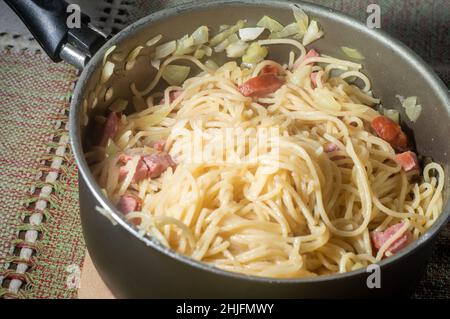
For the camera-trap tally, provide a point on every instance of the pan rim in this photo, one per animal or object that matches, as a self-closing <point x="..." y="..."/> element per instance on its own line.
<point x="117" y="217"/>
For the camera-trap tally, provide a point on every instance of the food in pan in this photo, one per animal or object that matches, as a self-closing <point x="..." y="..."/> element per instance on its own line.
<point x="280" y="169"/>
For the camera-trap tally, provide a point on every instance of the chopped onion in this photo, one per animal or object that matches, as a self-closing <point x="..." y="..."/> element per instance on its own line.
<point x="210" y="64"/>
<point x="131" y="58"/>
<point x="111" y="148"/>
<point x="199" y="53"/>
<point x="412" y="109"/>
<point x="413" y="113"/>
<point x="271" y="24"/>
<point x="107" y="53"/>
<point x="393" y="115"/>
<point x="153" y="41"/>
<point x="165" y="49"/>
<point x="302" y="19"/>
<point x="222" y="46"/>
<point x="227" y="33"/>
<point x="312" y="33"/>
<point x="155" y="63"/>
<point x="119" y="105"/>
<point x="185" y="46"/>
<point x="287" y="31"/>
<point x="250" y="34"/>
<point x="176" y="74"/>
<point x="201" y="35"/>
<point x="237" y="49"/>
<point x="352" y="53"/>
<point x="255" y="54"/>
<point x="107" y="71"/>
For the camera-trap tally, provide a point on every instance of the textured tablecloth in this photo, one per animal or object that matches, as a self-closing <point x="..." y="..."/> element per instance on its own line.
<point x="41" y="244"/>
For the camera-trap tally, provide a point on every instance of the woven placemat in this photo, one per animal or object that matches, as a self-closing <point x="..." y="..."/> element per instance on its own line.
<point x="41" y="244"/>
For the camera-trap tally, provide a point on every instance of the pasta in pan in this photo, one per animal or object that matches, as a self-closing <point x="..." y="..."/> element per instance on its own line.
<point x="267" y="169"/>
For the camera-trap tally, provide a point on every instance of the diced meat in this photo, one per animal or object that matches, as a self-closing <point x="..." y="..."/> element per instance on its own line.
<point x="158" y="163"/>
<point x="173" y="96"/>
<point x="331" y="147"/>
<point x="158" y="145"/>
<point x="110" y="128"/>
<point x="380" y="237"/>
<point x="141" y="169"/>
<point x="129" y="203"/>
<point x="260" y="85"/>
<point x="391" y="132"/>
<point x="408" y="161"/>
<point x="311" y="54"/>
<point x="270" y="69"/>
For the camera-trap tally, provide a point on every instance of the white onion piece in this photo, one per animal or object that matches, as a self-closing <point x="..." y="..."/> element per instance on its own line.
<point x="201" y="35"/>
<point x="155" y="63"/>
<point x="107" y="71"/>
<point x="312" y="33"/>
<point x="301" y="17"/>
<point x="250" y="34"/>
<point x="237" y="49"/>
<point x="153" y="41"/>
<point x="165" y="49"/>
<point x="107" y="53"/>
<point x="176" y="74"/>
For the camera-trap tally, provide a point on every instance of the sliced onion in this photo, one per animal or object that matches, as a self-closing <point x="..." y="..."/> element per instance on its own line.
<point x="250" y="34"/>
<point x="176" y="74"/>
<point x="111" y="148"/>
<point x="185" y="46"/>
<point x="227" y="33"/>
<point x="155" y="63"/>
<point x="201" y="35"/>
<point x="393" y="115"/>
<point x="255" y="54"/>
<point x="107" y="71"/>
<point x="302" y="19"/>
<point x="153" y="41"/>
<point x="412" y="109"/>
<point x="107" y="53"/>
<point x="287" y="31"/>
<point x="312" y="34"/>
<point x="414" y="112"/>
<point x="210" y="64"/>
<point x="131" y="58"/>
<point x="271" y="24"/>
<point x="223" y="45"/>
<point x="237" y="49"/>
<point x="165" y="49"/>
<point x="352" y="53"/>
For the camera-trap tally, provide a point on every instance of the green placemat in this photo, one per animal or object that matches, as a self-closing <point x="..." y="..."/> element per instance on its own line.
<point x="38" y="176"/>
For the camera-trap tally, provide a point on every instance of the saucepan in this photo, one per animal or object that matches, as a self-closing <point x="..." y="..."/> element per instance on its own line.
<point x="137" y="266"/>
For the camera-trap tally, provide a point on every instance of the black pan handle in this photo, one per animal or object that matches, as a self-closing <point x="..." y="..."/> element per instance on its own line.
<point x="47" y="20"/>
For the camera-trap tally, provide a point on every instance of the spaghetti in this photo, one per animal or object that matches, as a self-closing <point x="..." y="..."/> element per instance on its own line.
<point x="305" y="202"/>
